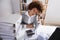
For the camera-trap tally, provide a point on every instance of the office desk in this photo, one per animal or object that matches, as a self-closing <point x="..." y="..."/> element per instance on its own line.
<point x="44" y="31"/>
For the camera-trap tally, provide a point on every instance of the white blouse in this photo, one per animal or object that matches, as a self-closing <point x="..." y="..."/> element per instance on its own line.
<point x="30" y="19"/>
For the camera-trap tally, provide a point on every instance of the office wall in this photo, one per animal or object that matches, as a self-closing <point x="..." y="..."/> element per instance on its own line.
<point x="53" y="12"/>
<point x="9" y="12"/>
<point x="15" y="6"/>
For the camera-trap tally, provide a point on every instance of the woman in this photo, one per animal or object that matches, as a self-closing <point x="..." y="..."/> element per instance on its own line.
<point x="30" y="17"/>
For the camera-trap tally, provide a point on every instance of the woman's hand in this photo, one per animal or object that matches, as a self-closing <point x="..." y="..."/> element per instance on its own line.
<point x="29" y="26"/>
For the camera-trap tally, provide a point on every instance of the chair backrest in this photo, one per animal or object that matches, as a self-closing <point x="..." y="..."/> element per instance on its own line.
<point x="55" y="35"/>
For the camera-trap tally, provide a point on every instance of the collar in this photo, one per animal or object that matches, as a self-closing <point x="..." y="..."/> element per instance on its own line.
<point x="28" y="14"/>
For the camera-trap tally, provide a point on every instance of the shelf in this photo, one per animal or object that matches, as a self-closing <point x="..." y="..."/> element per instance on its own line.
<point x="23" y="11"/>
<point x="23" y="6"/>
<point x="23" y="3"/>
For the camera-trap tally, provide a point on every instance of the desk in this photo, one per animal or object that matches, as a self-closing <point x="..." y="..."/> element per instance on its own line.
<point x="45" y="31"/>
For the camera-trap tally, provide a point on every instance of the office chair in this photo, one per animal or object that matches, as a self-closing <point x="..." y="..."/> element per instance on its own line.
<point x="55" y="35"/>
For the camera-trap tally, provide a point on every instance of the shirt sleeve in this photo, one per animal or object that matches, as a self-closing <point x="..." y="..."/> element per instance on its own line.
<point x="36" y="23"/>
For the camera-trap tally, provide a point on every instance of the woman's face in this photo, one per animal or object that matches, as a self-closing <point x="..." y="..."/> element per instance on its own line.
<point x="35" y="11"/>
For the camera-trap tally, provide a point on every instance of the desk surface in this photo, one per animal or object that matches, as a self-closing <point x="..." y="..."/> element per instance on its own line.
<point x="48" y="30"/>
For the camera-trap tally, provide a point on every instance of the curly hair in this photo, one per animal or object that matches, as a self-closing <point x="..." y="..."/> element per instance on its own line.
<point x="36" y="4"/>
